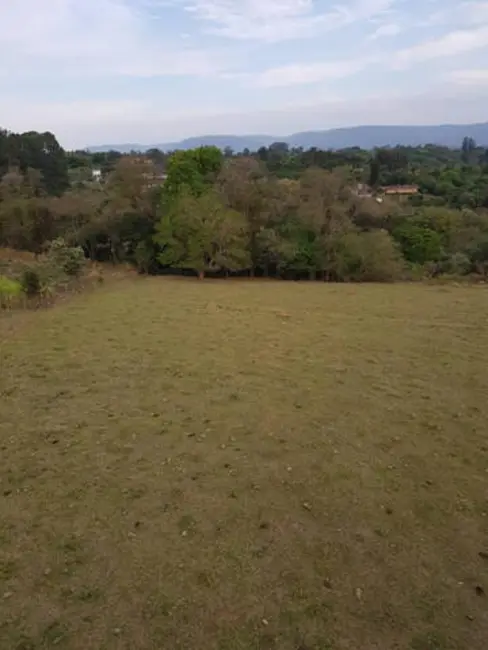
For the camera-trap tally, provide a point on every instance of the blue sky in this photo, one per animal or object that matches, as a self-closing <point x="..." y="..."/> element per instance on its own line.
<point x="98" y="71"/>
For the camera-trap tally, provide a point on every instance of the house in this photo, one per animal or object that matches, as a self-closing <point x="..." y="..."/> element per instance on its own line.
<point x="153" y="174"/>
<point x="155" y="179"/>
<point x="139" y="160"/>
<point x="97" y="175"/>
<point x="400" y="190"/>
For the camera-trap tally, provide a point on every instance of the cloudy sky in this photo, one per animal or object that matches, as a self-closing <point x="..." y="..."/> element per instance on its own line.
<point x="98" y="71"/>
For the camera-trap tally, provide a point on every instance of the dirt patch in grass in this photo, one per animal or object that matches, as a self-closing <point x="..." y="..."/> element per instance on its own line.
<point x="245" y="465"/>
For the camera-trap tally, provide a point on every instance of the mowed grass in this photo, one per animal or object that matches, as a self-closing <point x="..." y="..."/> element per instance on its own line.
<point x="246" y="465"/>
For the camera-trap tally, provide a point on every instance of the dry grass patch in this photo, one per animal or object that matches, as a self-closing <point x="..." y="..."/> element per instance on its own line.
<point x="245" y="465"/>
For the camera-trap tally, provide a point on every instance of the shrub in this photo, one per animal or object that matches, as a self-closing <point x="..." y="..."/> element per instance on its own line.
<point x="457" y="264"/>
<point x="419" y="243"/>
<point x="70" y="259"/>
<point x="10" y="291"/>
<point x="144" y="257"/>
<point x="370" y="257"/>
<point x="30" y="282"/>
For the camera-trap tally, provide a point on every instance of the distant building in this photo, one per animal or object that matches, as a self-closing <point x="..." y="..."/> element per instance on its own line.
<point x="139" y="160"/>
<point x="97" y="175"/>
<point x="400" y="190"/>
<point x="156" y="179"/>
<point x="153" y="174"/>
<point x="363" y="190"/>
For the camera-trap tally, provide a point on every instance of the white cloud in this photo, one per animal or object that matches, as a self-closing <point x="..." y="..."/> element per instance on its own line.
<point x="474" y="77"/>
<point x="50" y="49"/>
<point x="83" y="112"/>
<point x="90" y="37"/>
<point x="388" y="29"/>
<point x="452" y="43"/>
<point x="475" y="13"/>
<point x="279" y="20"/>
<point x="295" y="74"/>
<point x="468" y="13"/>
<point x="75" y="123"/>
<point x="78" y="124"/>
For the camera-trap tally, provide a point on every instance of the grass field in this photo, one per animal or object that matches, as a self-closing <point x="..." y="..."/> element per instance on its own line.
<point x="244" y="465"/>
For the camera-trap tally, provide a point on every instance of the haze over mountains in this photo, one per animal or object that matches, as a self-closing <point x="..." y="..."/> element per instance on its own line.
<point x="366" y="137"/>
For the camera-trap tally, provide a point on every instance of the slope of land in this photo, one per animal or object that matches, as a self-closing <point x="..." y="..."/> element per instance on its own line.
<point x="237" y="465"/>
<point x="366" y="137"/>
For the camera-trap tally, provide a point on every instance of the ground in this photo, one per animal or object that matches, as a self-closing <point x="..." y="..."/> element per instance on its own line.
<point x="244" y="465"/>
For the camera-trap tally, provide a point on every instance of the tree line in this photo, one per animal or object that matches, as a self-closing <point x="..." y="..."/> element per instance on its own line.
<point x="277" y="211"/>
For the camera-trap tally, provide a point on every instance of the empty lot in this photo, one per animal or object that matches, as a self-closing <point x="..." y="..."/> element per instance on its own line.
<point x="227" y="465"/>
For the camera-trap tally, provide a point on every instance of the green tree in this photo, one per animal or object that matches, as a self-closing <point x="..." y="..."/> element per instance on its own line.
<point x="419" y="243"/>
<point x="468" y="147"/>
<point x="202" y="234"/>
<point x="369" y="257"/>
<point x="27" y="220"/>
<point x="38" y="151"/>
<point x="192" y="171"/>
<point x="243" y="185"/>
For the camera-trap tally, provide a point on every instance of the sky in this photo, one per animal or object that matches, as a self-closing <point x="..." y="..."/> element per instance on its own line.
<point x="152" y="71"/>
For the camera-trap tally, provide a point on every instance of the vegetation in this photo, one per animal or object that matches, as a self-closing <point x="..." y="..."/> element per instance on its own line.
<point x="277" y="211"/>
<point x="10" y="292"/>
<point x="28" y="280"/>
<point x="243" y="465"/>
<point x="237" y="465"/>
<point x="69" y="259"/>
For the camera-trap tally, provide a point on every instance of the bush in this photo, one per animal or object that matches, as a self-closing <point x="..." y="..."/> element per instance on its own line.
<point x="419" y="243"/>
<point x="30" y="282"/>
<point x="70" y="259"/>
<point x="457" y="264"/>
<point x="370" y="257"/>
<point x="145" y="257"/>
<point x="10" y="291"/>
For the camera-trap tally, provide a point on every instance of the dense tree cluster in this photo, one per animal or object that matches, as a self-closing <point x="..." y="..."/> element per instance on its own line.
<point x="39" y="151"/>
<point x="277" y="211"/>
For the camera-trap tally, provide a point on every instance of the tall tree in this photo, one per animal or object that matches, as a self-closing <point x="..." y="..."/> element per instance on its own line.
<point x="192" y="171"/>
<point x="202" y="234"/>
<point x="468" y="147"/>
<point x="324" y="210"/>
<point x="27" y="220"/>
<point x="243" y="184"/>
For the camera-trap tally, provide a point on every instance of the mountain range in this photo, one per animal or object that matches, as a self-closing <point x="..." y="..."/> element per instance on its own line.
<point x="366" y="137"/>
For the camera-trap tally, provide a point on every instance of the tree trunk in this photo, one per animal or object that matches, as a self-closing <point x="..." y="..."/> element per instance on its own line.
<point x="91" y="249"/>
<point x="251" y="272"/>
<point x="312" y="275"/>
<point x="201" y="275"/>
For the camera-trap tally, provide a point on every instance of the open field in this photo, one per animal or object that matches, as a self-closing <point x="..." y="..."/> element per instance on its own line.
<point x="244" y="466"/>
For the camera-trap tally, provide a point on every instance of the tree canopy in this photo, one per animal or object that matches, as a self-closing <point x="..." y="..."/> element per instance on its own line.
<point x="278" y="211"/>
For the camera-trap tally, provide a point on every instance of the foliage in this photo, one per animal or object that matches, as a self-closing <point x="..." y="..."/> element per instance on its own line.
<point x="281" y="210"/>
<point x="10" y="291"/>
<point x="144" y="256"/>
<point x="70" y="259"/>
<point x="419" y="243"/>
<point x="31" y="282"/>
<point x="191" y="171"/>
<point x="370" y="257"/>
<point x="201" y="233"/>
<point x="38" y="151"/>
<point x="457" y="264"/>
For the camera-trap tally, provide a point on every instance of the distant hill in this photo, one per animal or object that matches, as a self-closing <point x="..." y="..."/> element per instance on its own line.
<point x="366" y="137"/>
<point x="236" y="142"/>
